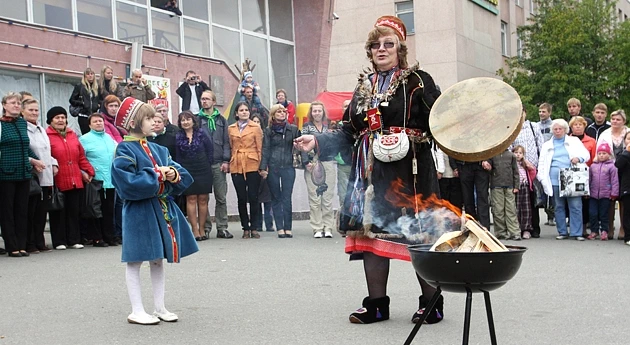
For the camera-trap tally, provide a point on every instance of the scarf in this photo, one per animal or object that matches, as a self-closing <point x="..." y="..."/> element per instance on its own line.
<point x="211" y="118"/>
<point x="278" y="127"/>
<point x="284" y="104"/>
<point x="242" y="125"/>
<point x="62" y="132"/>
<point x="6" y="118"/>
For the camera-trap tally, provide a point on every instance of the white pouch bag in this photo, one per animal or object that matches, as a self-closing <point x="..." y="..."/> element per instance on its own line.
<point x="391" y="147"/>
<point x="574" y="181"/>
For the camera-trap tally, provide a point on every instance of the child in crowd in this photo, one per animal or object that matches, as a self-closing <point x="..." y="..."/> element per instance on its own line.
<point x="604" y="187"/>
<point x="504" y="183"/>
<point x="526" y="174"/>
<point x="264" y="196"/>
<point x="154" y="228"/>
<point x="622" y="163"/>
<point x="248" y="80"/>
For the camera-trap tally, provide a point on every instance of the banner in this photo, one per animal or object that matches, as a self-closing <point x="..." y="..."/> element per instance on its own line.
<point x="162" y="88"/>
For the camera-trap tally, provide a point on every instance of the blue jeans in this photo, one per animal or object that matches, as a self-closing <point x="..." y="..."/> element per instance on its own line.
<point x="598" y="213"/>
<point x="575" y="212"/>
<point x="281" y="182"/>
<point x="266" y="215"/>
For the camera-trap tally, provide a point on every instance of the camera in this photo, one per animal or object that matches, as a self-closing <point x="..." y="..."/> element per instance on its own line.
<point x="322" y="189"/>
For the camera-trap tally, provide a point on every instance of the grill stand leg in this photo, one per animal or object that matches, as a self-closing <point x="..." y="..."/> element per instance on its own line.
<point x="493" y="336"/>
<point x="416" y="328"/>
<point x="467" y="316"/>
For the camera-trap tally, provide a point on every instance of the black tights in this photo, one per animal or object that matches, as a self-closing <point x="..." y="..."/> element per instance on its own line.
<point x="376" y="273"/>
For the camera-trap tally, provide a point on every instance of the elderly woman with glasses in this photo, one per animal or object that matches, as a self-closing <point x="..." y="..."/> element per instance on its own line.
<point x="562" y="151"/>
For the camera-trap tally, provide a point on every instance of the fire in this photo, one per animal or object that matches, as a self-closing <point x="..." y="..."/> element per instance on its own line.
<point x="398" y="195"/>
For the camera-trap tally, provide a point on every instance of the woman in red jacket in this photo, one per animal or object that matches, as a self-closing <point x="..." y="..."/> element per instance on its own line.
<point x="281" y="97"/>
<point x="74" y="169"/>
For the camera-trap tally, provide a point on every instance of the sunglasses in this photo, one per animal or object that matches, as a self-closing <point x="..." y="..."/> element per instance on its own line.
<point x="377" y="45"/>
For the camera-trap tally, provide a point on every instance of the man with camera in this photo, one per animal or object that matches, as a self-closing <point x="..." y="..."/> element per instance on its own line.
<point x="190" y="92"/>
<point x="138" y="87"/>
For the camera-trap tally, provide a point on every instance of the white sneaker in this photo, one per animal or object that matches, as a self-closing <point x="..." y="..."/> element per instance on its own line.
<point x="628" y="243"/>
<point x="318" y="234"/>
<point x="328" y="234"/>
<point x="77" y="246"/>
<point x="166" y="316"/>
<point x="60" y="247"/>
<point x="144" y="319"/>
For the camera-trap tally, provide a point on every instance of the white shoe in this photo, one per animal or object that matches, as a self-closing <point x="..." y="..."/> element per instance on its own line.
<point x="328" y="234"/>
<point x="60" y="247"/>
<point x="77" y="246"/>
<point x="318" y="234"/>
<point x="144" y="319"/>
<point x="166" y="316"/>
<point x="628" y="243"/>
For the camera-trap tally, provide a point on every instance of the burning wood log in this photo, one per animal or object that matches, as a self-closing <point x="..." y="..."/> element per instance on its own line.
<point x="472" y="238"/>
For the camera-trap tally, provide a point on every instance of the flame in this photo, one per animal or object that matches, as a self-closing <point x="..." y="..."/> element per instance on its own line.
<point x="401" y="195"/>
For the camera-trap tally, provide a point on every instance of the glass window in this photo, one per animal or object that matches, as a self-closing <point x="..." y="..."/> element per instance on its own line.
<point x="132" y="23"/>
<point x="143" y="2"/>
<point x="195" y="8"/>
<point x="196" y="38"/>
<point x="225" y="12"/>
<point x="256" y="50"/>
<point x="227" y="47"/>
<point x="165" y="31"/>
<point x="95" y="17"/>
<point x="14" y="81"/>
<point x="283" y="70"/>
<point x="254" y="17"/>
<point x="519" y="47"/>
<point x="504" y="39"/>
<point x="15" y="9"/>
<point x="404" y="11"/>
<point x="281" y="19"/>
<point x="53" y="12"/>
<point x="58" y="90"/>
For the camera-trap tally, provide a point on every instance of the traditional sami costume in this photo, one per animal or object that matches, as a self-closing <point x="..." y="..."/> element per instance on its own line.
<point x="403" y="98"/>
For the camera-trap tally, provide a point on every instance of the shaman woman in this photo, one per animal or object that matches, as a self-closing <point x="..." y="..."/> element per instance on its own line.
<point x="395" y="98"/>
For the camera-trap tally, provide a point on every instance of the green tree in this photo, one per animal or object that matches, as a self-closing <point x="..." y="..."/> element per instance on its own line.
<point x="568" y="53"/>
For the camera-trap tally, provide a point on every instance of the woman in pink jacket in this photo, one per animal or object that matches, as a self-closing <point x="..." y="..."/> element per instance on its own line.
<point x="74" y="169"/>
<point x="111" y="104"/>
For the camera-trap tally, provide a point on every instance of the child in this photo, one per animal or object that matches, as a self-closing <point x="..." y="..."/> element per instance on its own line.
<point x="248" y="80"/>
<point x="622" y="163"/>
<point x="154" y="228"/>
<point x="604" y="187"/>
<point x="264" y="197"/>
<point x="504" y="183"/>
<point x="527" y="174"/>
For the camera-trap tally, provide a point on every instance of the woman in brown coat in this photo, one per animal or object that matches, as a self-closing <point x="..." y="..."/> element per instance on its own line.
<point x="246" y="143"/>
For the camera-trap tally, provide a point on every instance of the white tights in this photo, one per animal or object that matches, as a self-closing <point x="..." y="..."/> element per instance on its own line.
<point x="135" y="292"/>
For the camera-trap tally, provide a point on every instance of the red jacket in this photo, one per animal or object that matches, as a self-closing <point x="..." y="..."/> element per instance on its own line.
<point x="291" y="113"/>
<point x="71" y="159"/>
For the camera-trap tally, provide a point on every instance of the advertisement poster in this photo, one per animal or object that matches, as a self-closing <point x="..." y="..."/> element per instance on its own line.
<point x="162" y="88"/>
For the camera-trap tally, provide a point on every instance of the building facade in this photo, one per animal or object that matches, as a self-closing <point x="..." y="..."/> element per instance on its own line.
<point x="46" y="45"/>
<point x="452" y="39"/>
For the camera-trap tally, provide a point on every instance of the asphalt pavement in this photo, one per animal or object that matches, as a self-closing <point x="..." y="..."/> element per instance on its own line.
<point x="301" y="291"/>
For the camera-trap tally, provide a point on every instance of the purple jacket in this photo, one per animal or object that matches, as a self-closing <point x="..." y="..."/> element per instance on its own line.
<point x="604" y="181"/>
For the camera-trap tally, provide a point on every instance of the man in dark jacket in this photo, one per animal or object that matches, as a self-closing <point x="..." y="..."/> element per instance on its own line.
<point x="216" y="127"/>
<point x="165" y="132"/>
<point x="600" y="113"/>
<point x="474" y="176"/>
<point x="191" y="91"/>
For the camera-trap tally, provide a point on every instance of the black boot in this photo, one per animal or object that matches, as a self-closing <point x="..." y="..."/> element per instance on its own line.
<point x="374" y="310"/>
<point x="436" y="315"/>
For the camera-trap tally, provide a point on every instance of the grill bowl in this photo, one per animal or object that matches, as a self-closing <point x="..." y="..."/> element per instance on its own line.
<point x="460" y="272"/>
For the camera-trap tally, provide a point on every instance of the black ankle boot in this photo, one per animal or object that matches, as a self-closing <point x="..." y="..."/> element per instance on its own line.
<point x="436" y="315"/>
<point x="374" y="310"/>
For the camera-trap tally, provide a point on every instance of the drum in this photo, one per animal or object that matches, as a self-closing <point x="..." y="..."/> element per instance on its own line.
<point x="476" y="119"/>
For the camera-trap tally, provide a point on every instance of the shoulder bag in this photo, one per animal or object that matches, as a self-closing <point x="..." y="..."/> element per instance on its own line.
<point x="56" y="199"/>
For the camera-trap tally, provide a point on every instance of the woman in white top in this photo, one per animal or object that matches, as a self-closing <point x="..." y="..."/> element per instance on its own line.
<point x="40" y="144"/>
<point x="613" y="136"/>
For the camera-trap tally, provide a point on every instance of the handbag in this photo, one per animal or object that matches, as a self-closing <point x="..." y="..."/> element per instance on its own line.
<point x="540" y="200"/>
<point x="56" y="200"/>
<point x="574" y="181"/>
<point x="34" y="187"/>
<point x="91" y="207"/>
<point x="297" y="159"/>
<point x="390" y="147"/>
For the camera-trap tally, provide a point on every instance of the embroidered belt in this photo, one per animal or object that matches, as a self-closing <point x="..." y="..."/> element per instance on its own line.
<point x="414" y="134"/>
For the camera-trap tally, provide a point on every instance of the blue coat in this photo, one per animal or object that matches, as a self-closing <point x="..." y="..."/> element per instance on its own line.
<point x="99" y="149"/>
<point x="145" y="229"/>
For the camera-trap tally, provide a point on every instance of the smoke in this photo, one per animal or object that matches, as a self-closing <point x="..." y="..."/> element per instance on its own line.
<point x="425" y="226"/>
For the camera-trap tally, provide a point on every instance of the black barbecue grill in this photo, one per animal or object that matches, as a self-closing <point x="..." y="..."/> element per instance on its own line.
<point x="464" y="272"/>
